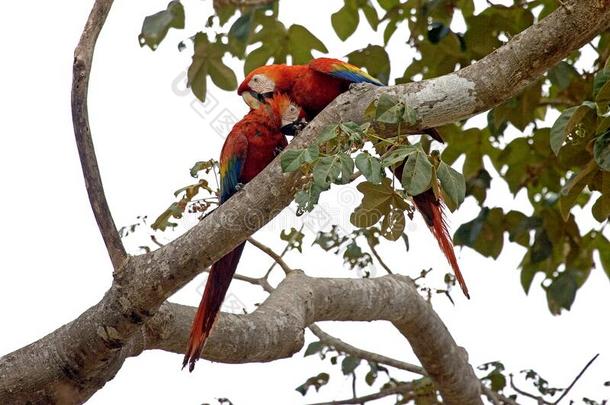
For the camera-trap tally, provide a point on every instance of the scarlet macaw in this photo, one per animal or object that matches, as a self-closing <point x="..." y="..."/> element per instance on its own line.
<point x="313" y="87"/>
<point x="251" y="145"/>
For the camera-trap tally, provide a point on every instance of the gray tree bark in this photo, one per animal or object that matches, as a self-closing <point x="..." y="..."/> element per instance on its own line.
<point x="76" y="360"/>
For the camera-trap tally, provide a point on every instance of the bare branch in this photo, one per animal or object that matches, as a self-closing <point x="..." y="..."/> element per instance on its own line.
<point x="340" y="345"/>
<point x="83" y="57"/>
<point x="378" y="257"/>
<point x="539" y="400"/>
<point x="241" y="3"/>
<point x="567" y="390"/>
<point x="268" y="251"/>
<point x="405" y="388"/>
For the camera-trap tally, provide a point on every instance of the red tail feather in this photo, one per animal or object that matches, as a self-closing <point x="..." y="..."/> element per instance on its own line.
<point x="432" y="210"/>
<point x="215" y="289"/>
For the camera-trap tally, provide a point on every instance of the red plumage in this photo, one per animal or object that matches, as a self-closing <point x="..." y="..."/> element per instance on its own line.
<point x="250" y="146"/>
<point x="432" y="209"/>
<point x="313" y="87"/>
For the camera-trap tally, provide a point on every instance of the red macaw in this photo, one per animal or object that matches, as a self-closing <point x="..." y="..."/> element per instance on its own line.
<point x="313" y="87"/>
<point x="251" y="145"/>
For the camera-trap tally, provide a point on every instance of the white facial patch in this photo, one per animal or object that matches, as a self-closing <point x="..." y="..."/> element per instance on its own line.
<point x="290" y="114"/>
<point x="261" y="84"/>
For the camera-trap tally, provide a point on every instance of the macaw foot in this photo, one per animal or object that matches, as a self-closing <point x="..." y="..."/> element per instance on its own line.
<point x="239" y="187"/>
<point x="359" y="88"/>
<point x="208" y="213"/>
<point x="277" y="150"/>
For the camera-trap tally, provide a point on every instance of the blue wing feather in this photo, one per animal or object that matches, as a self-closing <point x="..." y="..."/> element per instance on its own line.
<point x="354" y="77"/>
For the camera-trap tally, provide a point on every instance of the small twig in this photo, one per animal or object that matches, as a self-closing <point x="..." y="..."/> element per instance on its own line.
<point x="241" y="3"/>
<point x="340" y="345"/>
<point x="261" y="282"/>
<point x="286" y="248"/>
<point x="576" y="379"/>
<point x="378" y="257"/>
<point x="405" y="388"/>
<point x="155" y="241"/>
<point x="278" y="259"/>
<point x="538" y="399"/>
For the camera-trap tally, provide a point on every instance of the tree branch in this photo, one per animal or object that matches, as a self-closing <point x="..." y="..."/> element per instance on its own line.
<point x="407" y="389"/>
<point x="71" y="363"/>
<point x="241" y="3"/>
<point x="83" y="56"/>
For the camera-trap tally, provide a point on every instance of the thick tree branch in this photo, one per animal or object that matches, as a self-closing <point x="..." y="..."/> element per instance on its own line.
<point x="71" y="363"/>
<point x="83" y="57"/>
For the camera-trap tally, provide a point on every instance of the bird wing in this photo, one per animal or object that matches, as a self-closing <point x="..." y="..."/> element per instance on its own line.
<point x="342" y="70"/>
<point x="232" y="161"/>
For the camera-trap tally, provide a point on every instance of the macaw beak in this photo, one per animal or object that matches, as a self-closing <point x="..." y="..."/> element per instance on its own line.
<point x="251" y="99"/>
<point x="254" y="100"/>
<point x="294" y="128"/>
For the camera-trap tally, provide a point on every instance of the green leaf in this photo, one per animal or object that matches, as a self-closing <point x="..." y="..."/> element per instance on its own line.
<point x="601" y="151"/>
<point x="375" y="59"/>
<point x="384" y="103"/>
<point x="294" y="239"/>
<point x="313" y="348"/>
<point x="163" y="221"/>
<point x="317" y="382"/>
<point x="485" y="233"/>
<point x="333" y="169"/>
<point x="371" y="15"/>
<point x="222" y="75"/>
<point x="156" y="26"/>
<point x="328" y="133"/>
<point x="601" y="78"/>
<point x="370" y="167"/>
<point x="562" y="291"/>
<point x="453" y="185"/>
<point x="567" y="122"/>
<point x="307" y="198"/>
<point x="293" y="159"/>
<point x="377" y="201"/>
<point x="207" y="60"/>
<point x="301" y="42"/>
<point x="201" y="166"/>
<point x="327" y="170"/>
<point x="562" y="75"/>
<point x="604" y="93"/>
<point x="601" y="208"/>
<point x="354" y="131"/>
<point x="603" y="248"/>
<point x="542" y="248"/>
<point x="345" y="21"/>
<point x="417" y="173"/>
<point x="349" y="364"/>
<point x="398" y="155"/>
<point x="393" y="224"/>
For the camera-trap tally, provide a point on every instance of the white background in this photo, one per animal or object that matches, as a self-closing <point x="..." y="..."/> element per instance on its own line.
<point x="147" y="133"/>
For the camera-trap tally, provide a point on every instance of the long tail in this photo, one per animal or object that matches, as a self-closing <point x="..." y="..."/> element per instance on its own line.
<point x="432" y="210"/>
<point x="215" y="289"/>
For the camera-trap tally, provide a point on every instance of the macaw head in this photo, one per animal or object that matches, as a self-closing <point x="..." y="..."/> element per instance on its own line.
<point x="264" y="81"/>
<point x="281" y="111"/>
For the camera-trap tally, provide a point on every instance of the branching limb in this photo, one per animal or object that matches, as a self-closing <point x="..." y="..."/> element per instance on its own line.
<point x="83" y="57"/>
<point x="78" y="358"/>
